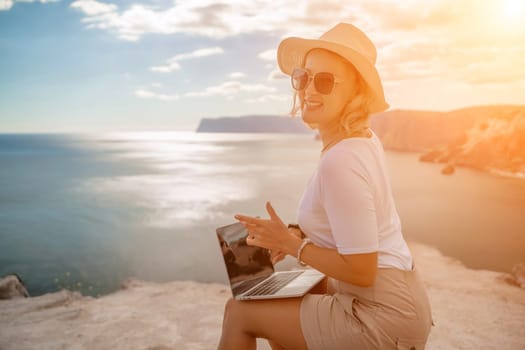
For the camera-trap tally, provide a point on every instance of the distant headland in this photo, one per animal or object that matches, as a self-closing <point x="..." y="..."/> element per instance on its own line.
<point x="254" y="124"/>
<point x="489" y="138"/>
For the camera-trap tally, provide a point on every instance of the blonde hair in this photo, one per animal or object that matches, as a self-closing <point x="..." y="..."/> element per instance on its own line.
<point x="356" y="114"/>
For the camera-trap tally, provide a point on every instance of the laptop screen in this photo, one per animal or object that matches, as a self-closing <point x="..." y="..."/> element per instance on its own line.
<point x="246" y="265"/>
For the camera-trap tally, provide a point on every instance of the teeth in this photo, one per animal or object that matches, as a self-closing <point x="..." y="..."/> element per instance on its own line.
<point x="313" y="104"/>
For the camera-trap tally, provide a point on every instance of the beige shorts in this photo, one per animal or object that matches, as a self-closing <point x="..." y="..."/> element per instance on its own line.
<point x="394" y="313"/>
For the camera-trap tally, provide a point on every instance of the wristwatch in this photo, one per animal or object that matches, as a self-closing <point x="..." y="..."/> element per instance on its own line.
<point x="298" y="228"/>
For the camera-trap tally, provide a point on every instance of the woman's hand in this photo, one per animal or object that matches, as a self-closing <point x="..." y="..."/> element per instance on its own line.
<point x="277" y="255"/>
<point x="271" y="234"/>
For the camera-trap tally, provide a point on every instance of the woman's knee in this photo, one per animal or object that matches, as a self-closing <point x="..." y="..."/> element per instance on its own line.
<point x="232" y="310"/>
<point x="238" y="314"/>
<point x="230" y="305"/>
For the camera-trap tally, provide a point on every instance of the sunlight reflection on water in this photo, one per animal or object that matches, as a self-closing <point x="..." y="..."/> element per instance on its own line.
<point x="171" y="200"/>
<point x="189" y="177"/>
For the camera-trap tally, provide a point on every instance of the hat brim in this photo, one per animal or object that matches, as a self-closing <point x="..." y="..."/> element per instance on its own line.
<point x="291" y="53"/>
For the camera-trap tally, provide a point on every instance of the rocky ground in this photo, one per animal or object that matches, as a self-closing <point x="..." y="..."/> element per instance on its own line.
<point x="472" y="310"/>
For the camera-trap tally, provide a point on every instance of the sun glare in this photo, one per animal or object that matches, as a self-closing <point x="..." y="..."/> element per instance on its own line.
<point x="514" y="10"/>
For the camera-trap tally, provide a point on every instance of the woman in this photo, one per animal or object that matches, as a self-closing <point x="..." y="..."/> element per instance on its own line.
<point x="349" y="226"/>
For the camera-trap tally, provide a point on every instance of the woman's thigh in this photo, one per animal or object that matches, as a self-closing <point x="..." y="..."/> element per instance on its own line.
<point x="275" y="319"/>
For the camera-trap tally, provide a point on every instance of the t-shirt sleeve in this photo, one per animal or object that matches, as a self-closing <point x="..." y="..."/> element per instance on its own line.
<point x="348" y="200"/>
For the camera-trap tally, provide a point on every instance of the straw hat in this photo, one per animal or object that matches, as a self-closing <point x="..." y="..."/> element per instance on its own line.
<point x="345" y="40"/>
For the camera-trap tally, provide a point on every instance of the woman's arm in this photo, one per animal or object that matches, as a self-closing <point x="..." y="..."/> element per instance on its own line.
<point x="358" y="269"/>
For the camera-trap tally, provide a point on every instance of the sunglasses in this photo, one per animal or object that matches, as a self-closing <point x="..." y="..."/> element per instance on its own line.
<point x="323" y="81"/>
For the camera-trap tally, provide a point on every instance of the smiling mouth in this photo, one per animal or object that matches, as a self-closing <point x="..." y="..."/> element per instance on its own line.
<point x="312" y="105"/>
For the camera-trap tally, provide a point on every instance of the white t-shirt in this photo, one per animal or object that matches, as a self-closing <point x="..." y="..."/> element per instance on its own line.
<point x="348" y="204"/>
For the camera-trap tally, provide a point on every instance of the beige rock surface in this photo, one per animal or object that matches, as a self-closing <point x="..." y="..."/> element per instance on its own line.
<point x="472" y="310"/>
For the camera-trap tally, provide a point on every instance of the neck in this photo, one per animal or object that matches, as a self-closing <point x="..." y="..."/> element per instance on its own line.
<point x="332" y="135"/>
<point x="329" y="134"/>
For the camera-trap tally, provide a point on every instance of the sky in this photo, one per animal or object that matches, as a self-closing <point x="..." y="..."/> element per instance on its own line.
<point x="155" y="65"/>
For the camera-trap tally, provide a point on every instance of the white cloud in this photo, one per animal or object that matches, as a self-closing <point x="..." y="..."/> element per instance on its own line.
<point x="268" y="55"/>
<point x="172" y="64"/>
<point x="276" y="74"/>
<point x="237" y="75"/>
<point x="142" y="93"/>
<point x="223" y="18"/>
<point x="93" y="7"/>
<point x="169" y="67"/>
<point x="7" y="4"/>
<point x="198" y="53"/>
<point x="267" y="98"/>
<point x="230" y="88"/>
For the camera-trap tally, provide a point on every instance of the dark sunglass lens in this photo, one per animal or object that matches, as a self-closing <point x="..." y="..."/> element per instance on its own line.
<point x="324" y="82"/>
<point x="299" y="79"/>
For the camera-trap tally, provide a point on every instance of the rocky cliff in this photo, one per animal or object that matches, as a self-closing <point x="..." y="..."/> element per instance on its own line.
<point x="495" y="143"/>
<point x="482" y="137"/>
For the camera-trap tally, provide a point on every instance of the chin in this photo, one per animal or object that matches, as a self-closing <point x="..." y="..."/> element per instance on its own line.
<point x="311" y="117"/>
<point x="316" y="117"/>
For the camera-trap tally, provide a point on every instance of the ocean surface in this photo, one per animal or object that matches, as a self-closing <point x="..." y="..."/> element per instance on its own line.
<point x="85" y="212"/>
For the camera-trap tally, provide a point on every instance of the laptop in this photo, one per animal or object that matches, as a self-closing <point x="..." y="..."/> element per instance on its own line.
<point x="251" y="271"/>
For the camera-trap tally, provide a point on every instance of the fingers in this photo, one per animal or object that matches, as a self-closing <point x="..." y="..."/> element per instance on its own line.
<point x="273" y="214"/>
<point x="276" y="257"/>
<point x="257" y="220"/>
<point x="253" y="229"/>
<point x="250" y="240"/>
<point x="262" y="232"/>
<point x="249" y="220"/>
<point x="244" y="218"/>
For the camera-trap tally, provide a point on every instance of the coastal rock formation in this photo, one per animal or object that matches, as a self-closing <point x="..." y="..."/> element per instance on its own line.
<point x="418" y="131"/>
<point x="11" y="287"/>
<point x="422" y="131"/>
<point x="485" y="137"/>
<point x="495" y="143"/>
<point x="472" y="309"/>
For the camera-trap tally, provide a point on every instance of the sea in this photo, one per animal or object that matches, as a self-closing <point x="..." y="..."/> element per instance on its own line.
<point x="86" y="212"/>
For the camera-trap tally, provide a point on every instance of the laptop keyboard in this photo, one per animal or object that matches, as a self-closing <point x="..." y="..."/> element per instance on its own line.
<point x="273" y="284"/>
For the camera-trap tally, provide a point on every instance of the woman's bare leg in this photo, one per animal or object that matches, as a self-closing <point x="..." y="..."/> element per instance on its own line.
<point x="276" y="320"/>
